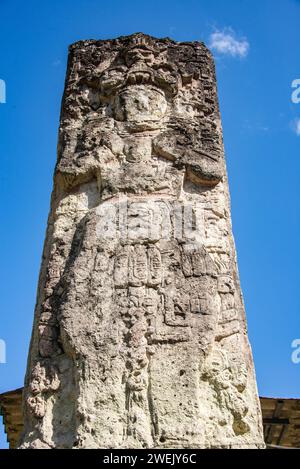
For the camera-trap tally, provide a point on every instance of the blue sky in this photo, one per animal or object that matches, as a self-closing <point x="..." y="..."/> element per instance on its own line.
<point x="256" y="45"/>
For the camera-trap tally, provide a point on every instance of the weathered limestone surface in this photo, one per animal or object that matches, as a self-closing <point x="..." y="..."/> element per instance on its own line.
<point x="139" y="336"/>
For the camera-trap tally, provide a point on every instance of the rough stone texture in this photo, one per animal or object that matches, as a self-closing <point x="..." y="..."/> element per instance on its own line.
<point x="281" y="418"/>
<point x="139" y="336"/>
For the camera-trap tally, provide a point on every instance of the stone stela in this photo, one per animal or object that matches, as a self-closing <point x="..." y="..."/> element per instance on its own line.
<point x="139" y="337"/>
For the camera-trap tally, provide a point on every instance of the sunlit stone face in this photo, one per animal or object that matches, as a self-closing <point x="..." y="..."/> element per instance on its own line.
<point x="141" y="105"/>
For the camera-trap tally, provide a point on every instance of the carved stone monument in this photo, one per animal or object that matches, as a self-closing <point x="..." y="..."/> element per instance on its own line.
<point x="139" y="336"/>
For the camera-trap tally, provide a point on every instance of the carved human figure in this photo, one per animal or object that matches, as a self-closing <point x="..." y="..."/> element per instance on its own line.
<point x="135" y="297"/>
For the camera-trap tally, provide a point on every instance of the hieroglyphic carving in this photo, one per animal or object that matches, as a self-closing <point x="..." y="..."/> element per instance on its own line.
<point x="228" y="318"/>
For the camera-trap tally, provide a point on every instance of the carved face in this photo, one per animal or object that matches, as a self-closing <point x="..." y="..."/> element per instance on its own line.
<point x="140" y="104"/>
<point x="137" y="90"/>
<point x="139" y="54"/>
<point x="111" y="80"/>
